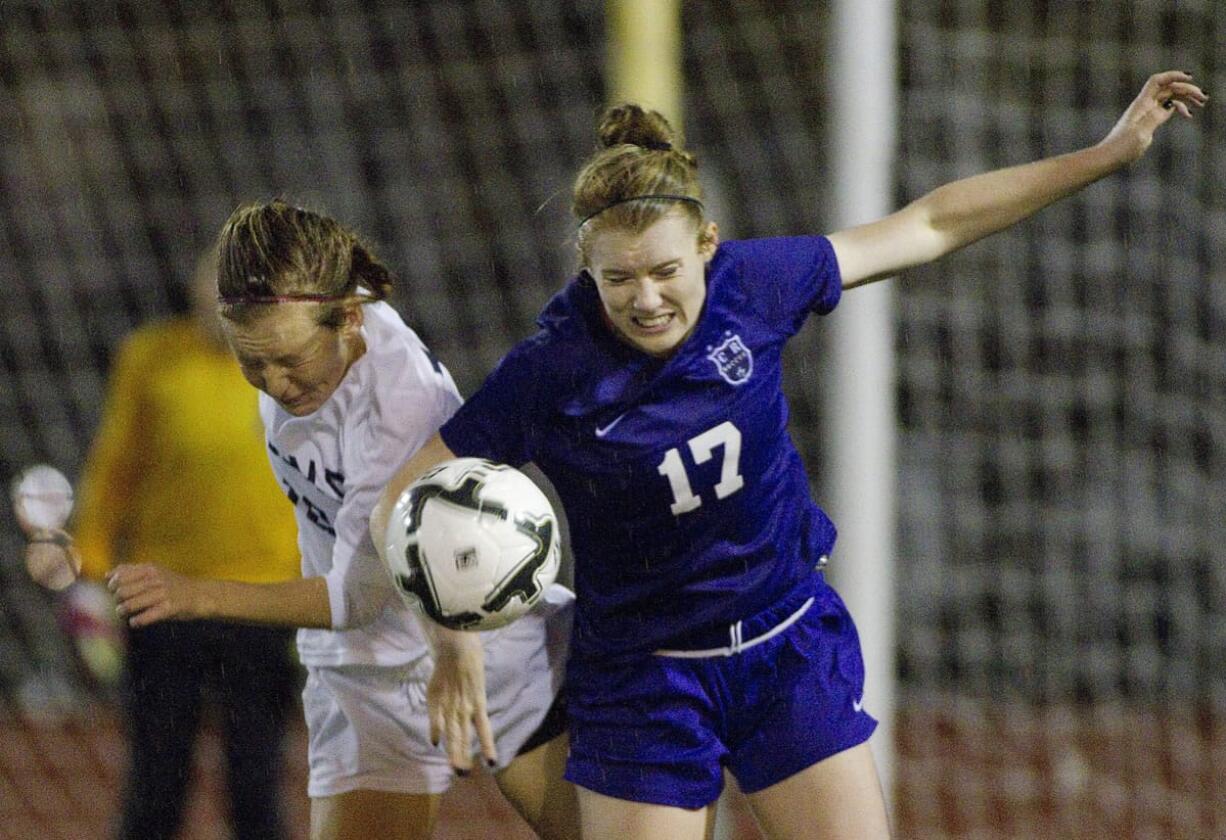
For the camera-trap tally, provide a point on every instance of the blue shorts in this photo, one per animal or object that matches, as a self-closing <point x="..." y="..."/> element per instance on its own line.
<point x="661" y="729"/>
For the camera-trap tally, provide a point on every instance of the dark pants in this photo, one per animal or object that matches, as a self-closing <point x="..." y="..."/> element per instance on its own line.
<point x="249" y="676"/>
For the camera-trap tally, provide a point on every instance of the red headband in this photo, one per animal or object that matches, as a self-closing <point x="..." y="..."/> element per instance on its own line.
<point x="234" y="299"/>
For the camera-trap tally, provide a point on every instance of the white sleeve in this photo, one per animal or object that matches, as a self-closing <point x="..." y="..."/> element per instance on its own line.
<point x="358" y="586"/>
<point x="392" y="420"/>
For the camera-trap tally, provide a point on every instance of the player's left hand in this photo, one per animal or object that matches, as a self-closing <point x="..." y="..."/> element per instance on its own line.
<point x="1163" y="96"/>
<point x="145" y="593"/>
<point x="455" y="698"/>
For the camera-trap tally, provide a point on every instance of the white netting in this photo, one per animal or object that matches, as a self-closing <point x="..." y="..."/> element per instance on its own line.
<point x="1062" y="386"/>
<point x="1063" y="411"/>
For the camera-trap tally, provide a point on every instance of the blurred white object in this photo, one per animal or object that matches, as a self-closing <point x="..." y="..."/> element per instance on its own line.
<point x="42" y="501"/>
<point x="87" y="615"/>
<point x="42" y="497"/>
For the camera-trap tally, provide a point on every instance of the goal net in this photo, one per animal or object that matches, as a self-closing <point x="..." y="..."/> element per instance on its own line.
<point x="1063" y="412"/>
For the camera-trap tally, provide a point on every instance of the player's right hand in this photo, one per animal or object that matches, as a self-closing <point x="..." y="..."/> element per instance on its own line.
<point x="455" y="698"/>
<point x="145" y="593"/>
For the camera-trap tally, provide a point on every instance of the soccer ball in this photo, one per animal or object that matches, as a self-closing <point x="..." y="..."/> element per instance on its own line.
<point x="473" y="543"/>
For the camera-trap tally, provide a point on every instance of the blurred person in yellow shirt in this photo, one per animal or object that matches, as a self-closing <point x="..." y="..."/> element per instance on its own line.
<point x="178" y="476"/>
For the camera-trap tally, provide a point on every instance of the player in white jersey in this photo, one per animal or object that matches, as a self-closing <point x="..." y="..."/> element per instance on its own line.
<point x="348" y="393"/>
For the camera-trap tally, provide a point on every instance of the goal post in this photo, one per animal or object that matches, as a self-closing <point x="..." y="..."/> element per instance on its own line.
<point x="860" y="422"/>
<point x="644" y="55"/>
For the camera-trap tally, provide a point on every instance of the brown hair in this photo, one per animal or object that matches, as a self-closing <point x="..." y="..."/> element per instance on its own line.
<point x="277" y="250"/>
<point x="639" y="156"/>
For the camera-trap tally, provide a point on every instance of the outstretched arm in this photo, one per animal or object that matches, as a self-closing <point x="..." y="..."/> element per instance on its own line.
<point x="146" y="593"/>
<point x="959" y="213"/>
<point x="455" y="696"/>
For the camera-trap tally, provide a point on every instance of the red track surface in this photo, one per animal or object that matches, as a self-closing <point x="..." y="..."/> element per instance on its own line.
<point x="965" y="770"/>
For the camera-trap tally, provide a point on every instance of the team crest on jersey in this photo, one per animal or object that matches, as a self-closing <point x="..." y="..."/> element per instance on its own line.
<point x="733" y="359"/>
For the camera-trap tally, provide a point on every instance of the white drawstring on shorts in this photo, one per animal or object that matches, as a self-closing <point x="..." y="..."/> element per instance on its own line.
<point x="738" y="644"/>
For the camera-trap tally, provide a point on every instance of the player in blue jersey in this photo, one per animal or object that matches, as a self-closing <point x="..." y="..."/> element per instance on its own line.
<point x="705" y="636"/>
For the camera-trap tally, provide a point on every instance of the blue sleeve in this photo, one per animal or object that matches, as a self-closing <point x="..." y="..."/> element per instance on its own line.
<point x="494" y="422"/>
<point x="786" y="278"/>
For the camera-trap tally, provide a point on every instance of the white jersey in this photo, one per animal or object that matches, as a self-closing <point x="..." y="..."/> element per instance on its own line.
<point x="334" y="464"/>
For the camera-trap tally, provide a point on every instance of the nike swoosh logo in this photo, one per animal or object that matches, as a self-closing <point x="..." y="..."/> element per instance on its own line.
<point x="857" y="706"/>
<point x="601" y="432"/>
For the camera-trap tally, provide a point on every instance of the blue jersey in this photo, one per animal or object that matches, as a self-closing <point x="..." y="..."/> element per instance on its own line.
<point x="688" y="504"/>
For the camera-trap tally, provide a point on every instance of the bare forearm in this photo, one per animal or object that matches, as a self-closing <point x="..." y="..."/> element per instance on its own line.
<point x="444" y="638"/>
<point x="433" y="453"/>
<point x="146" y="593"/>
<point x="295" y="603"/>
<point x="957" y="214"/>
<point x="967" y="210"/>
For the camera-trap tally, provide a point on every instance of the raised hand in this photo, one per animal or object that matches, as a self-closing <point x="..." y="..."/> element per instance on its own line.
<point x="1164" y="95"/>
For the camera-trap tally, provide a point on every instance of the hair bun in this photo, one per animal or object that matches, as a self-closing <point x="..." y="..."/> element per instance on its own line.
<point x="634" y="125"/>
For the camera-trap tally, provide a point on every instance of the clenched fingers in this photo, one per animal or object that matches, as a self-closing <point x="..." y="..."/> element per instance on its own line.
<point x="143" y="593"/>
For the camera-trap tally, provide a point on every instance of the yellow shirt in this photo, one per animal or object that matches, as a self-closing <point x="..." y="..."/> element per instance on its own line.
<point x="177" y="474"/>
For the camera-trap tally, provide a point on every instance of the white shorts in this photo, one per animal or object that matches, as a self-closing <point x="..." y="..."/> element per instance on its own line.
<point x="368" y="728"/>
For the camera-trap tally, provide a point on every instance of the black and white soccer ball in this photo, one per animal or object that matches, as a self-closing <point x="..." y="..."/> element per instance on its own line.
<point x="473" y="543"/>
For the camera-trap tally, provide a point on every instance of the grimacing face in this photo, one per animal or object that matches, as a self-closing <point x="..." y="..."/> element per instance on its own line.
<point x="290" y="357"/>
<point x="653" y="285"/>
